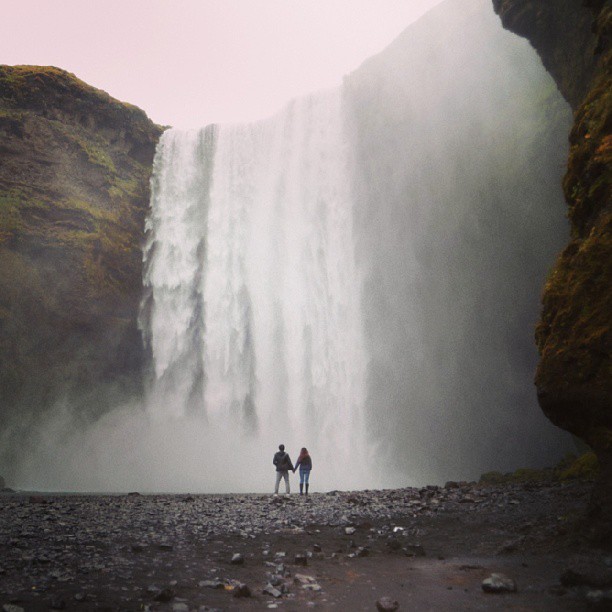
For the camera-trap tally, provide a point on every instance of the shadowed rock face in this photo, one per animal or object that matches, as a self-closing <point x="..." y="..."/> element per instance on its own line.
<point x="574" y="376"/>
<point x="561" y="33"/>
<point x="74" y="190"/>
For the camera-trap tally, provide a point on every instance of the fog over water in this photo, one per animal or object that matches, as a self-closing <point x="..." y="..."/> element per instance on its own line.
<point x="253" y="305"/>
<point x="359" y="274"/>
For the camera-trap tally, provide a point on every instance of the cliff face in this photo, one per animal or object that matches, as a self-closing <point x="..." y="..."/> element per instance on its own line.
<point x="574" y="336"/>
<point x="74" y="190"/>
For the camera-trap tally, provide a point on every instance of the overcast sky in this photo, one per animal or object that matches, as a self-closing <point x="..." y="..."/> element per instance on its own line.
<point x="192" y="62"/>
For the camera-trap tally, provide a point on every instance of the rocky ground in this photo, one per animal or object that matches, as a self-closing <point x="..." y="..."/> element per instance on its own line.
<point x="458" y="547"/>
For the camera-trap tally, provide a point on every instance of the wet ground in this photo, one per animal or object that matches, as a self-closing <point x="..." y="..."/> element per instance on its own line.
<point x="434" y="548"/>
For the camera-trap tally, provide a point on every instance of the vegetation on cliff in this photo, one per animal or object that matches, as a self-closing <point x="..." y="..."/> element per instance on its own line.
<point x="574" y="336"/>
<point x="74" y="190"/>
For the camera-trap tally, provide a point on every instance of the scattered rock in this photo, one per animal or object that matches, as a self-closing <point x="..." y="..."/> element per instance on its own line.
<point x="271" y="590"/>
<point x="116" y="540"/>
<point x="498" y="583"/>
<point x="241" y="590"/>
<point x="237" y="559"/>
<point x="300" y="559"/>
<point x="510" y="546"/>
<point x="393" y="544"/>
<point x="349" y="530"/>
<point x="592" y="576"/>
<point x="303" y="579"/>
<point x="275" y="579"/>
<point x="313" y="586"/>
<point x="57" y="603"/>
<point x="165" y="595"/>
<point x="387" y="604"/>
<point x="414" y="550"/>
<point x="600" y="599"/>
<point x="210" y="584"/>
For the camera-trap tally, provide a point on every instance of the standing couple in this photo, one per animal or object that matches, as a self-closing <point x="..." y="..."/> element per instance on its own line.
<point x="283" y="465"/>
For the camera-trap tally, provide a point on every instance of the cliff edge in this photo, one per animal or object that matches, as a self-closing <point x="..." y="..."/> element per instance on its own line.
<point x="574" y="336"/>
<point x="74" y="191"/>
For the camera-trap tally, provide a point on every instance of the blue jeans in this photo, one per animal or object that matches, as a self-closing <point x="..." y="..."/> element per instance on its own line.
<point x="304" y="475"/>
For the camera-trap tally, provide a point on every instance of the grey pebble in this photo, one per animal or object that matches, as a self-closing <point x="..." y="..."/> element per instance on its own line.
<point x="386" y="604"/>
<point x="498" y="583"/>
<point x="237" y="559"/>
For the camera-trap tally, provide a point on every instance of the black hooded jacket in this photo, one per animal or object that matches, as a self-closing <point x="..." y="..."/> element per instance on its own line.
<point x="282" y="461"/>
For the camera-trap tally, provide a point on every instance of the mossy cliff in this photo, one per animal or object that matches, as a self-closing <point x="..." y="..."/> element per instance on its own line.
<point x="74" y="191"/>
<point x="574" y="336"/>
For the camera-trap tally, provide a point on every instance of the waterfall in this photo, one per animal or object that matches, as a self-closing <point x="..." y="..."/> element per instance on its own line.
<point x="252" y="297"/>
<point x="358" y="274"/>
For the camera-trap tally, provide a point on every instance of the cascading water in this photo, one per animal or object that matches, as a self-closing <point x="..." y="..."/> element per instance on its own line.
<point x="253" y="297"/>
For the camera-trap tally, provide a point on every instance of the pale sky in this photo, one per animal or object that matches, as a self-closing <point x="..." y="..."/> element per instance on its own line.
<point x="188" y="63"/>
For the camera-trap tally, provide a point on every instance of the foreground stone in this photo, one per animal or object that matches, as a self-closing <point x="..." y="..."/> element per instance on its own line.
<point x="386" y="604"/>
<point x="498" y="583"/>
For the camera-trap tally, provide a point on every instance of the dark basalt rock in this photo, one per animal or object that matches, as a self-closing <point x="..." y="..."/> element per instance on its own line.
<point x="574" y="335"/>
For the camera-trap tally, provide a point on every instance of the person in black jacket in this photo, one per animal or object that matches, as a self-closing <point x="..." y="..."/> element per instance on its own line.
<point x="304" y="462"/>
<point x="283" y="464"/>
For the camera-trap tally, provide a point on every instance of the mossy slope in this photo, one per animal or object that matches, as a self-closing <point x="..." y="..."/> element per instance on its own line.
<point x="74" y="190"/>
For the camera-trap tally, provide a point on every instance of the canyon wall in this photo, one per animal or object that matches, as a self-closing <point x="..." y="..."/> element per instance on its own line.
<point x="74" y="191"/>
<point x="574" y="337"/>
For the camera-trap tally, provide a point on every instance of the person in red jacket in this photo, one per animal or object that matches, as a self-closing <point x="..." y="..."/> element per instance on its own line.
<point x="304" y="462"/>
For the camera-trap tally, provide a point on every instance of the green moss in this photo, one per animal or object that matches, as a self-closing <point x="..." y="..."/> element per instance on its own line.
<point x="10" y="219"/>
<point x="12" y="202"/>
<point x="25" y="79"/>
<point x="577" y="302"/>
<point x="131" y="187"/>
<point x="97" y="155"/>
<point x="8" y="113"/>
<point x="584" y="467"/>
<point x="84" y="206"/>
<point x="589" y="171"/>
<point x="528" y="475"/>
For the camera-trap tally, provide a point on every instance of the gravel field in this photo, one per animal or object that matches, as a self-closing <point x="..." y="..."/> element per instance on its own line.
<point x="458" y="547"/>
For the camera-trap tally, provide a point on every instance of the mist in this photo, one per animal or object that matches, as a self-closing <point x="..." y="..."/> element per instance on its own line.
<point x="460" y="142"/>
<point x="358" y="274"/>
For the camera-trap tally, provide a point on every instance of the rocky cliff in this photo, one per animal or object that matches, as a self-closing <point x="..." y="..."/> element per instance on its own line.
<point x="74" y="191"/>
<point x="574" y="336"/>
